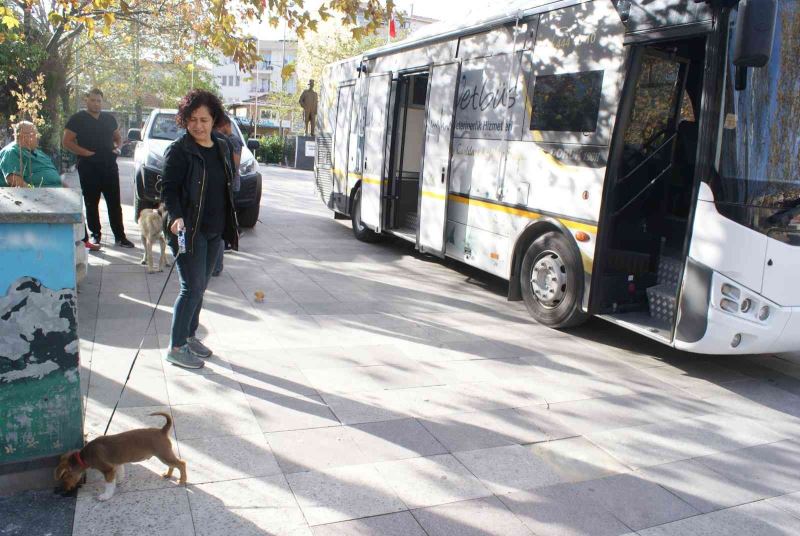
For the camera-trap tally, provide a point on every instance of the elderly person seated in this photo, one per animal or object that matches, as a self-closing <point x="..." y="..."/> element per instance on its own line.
<point x="23" y="165"/>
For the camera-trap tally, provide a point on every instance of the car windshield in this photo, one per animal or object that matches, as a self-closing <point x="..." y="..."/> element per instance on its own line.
<point x="757" y="182"/>
<point x="165" y="128"/>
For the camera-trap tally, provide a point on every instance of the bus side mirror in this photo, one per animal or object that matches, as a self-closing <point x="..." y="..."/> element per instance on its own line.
<point x="755" y="30"/>
<point x="253" y="144"/>
<point x="135" y="134"/>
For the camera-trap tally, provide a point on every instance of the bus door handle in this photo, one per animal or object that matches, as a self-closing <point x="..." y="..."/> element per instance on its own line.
<point x="443" y="171"/>
<point x="365" y="164"/>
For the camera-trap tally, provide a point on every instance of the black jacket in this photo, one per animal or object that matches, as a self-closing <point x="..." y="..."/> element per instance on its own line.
<point x="184" y="189"/>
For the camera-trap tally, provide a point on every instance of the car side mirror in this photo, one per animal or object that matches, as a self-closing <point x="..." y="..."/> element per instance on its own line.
<point x="755" y="31"/>
<point x="253" y="144"/>
<point x="135" y="134"/>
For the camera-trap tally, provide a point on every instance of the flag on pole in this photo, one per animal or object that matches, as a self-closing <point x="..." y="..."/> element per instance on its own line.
<point x="392" y="29"/>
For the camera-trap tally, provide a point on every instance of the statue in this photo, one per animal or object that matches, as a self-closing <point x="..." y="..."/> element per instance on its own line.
<point x="308" y="101"/>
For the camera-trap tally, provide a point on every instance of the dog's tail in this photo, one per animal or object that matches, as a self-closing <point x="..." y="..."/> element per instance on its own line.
<point x="168" y="424"/>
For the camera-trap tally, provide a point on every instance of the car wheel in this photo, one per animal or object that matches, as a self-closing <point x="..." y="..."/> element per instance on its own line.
<point x="552" y="281"/>
<point x="361" y="231"/>
<point x="248" y="216"/>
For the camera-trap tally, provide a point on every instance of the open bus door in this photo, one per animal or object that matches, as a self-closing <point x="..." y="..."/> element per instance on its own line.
<point x="378" y="92"/>
<point x="436" y="157"/>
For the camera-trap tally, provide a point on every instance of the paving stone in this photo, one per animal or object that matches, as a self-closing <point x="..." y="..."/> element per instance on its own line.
<point x="508" y="469"/>
<point x="754" y="518"/>
<point x="704" y="489"/>
<point x="281" y="413"/>
<point x="141" y="390"/>
<point x="246" y="507"/>
<point x="52" y="514"/>
<point x="563" y="510"/>
<point x="655" y="444"/>
<point x="788" y="503"/>
<point x="395" y="440"/>
<point x="636" y="502"/>
<point x="164" y="511"/>
<point x="478" y="517"/>
<point x="370" y="378"/>
<point x="212" y="459"/>
<point x="760" y="469"/>
<point x="315" y="449"/>
<point x="265" y="381"/>
<point x="400" y="524"/>
<point x="576" y="459"/>
<point x="204" y="389"/>
<point x="193" y="421"/>
<point x="342" y="494"/>
<point x="484" y="429"/>
<point x="429" y="481"/>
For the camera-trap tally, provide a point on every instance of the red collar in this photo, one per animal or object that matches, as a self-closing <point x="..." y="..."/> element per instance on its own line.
<point x="80" y="461"/>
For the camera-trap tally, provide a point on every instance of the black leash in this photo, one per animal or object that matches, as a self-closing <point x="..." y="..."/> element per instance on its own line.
<point x="141" y="343"/>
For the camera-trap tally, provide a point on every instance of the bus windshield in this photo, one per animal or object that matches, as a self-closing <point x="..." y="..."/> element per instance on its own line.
<point x="757" y="179"/>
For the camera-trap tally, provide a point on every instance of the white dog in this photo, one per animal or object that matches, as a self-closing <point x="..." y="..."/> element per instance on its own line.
<point x="151" y="224"/>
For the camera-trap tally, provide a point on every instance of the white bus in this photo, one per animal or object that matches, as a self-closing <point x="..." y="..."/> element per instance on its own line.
<point x="638" y="160"/>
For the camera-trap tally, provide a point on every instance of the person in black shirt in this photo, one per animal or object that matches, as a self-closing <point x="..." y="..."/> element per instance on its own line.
<point x="94" y="137"/>
<point x="197" y="193"/>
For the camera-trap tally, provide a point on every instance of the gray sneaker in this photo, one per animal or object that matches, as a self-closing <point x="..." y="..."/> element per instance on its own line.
<point x="183" y="358"/>
<point x="198" y="348"/>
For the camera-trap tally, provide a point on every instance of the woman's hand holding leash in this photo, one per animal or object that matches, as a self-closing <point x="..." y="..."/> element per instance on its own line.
<point x="177" y="226"/>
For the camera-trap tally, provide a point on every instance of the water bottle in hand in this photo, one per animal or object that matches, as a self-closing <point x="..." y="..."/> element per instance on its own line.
<point x="182" y="241"/>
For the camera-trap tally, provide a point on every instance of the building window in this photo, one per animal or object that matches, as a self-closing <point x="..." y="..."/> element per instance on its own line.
<point x="238" y="81"/>
<point x="224" y="80"/>
<point x="567" y="102"/>
<point x="230" y="80"/>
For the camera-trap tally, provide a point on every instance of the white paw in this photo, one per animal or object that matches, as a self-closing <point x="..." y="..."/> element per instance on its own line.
<point x="104" y="496"/>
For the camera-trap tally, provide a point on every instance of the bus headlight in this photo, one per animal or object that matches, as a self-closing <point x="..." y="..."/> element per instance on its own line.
<point x="746" y="305"/>
<point x="731" y="292"/>
<point x="763" y="313"/>
<point x="728" y="305"/>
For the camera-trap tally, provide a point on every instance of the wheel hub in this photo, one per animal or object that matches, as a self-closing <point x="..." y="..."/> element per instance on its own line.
<point x="549" y="279"/>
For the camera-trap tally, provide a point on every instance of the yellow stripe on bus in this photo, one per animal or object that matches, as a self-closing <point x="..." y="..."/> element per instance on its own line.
<point x="521" y="212"/>
<point x="433" y="195"/>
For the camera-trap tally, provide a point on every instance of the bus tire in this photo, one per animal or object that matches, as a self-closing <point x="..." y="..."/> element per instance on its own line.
<point x="361" y="231"/>
<point x="551" y="281"/>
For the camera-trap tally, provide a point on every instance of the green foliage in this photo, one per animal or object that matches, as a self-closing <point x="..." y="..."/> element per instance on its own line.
<point x="19" y="62"/>
<point x="270" y="150"/>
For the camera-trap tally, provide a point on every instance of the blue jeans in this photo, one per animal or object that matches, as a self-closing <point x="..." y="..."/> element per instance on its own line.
<point x="219" y="265"/>
<point x="194" y="271"/>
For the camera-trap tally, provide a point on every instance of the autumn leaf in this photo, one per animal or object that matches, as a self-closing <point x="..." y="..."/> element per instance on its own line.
<point x="10" y="22"/>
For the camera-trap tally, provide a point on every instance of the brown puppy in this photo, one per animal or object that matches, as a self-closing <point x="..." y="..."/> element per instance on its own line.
<point x="151" y="225"/>
<point x="107" y="454"/>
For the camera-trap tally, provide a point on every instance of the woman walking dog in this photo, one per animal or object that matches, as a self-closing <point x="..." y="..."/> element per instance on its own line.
<point x="198" y="173"/>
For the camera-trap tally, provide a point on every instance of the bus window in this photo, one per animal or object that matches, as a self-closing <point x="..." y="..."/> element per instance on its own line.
<point x="757" y="179"/>
<point x="567" y="102"/>
<point x="652" y="118"/>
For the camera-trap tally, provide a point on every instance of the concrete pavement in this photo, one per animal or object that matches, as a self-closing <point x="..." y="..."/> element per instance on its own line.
<point x="377" y="391"/>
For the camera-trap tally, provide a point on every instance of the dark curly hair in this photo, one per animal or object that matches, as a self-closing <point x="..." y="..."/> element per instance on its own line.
<point x="194" y="100"/>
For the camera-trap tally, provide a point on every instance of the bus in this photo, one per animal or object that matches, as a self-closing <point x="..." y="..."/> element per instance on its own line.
<point x="636" y="160"/>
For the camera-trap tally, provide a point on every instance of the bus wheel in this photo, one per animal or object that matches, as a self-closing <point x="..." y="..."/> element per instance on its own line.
<point x="552" y="281"/>
<point x="362" y="232"/>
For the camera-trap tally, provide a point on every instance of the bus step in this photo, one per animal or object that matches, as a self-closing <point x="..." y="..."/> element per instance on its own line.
<point x="669" y="270"/>
<point x="661" y="300"/>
